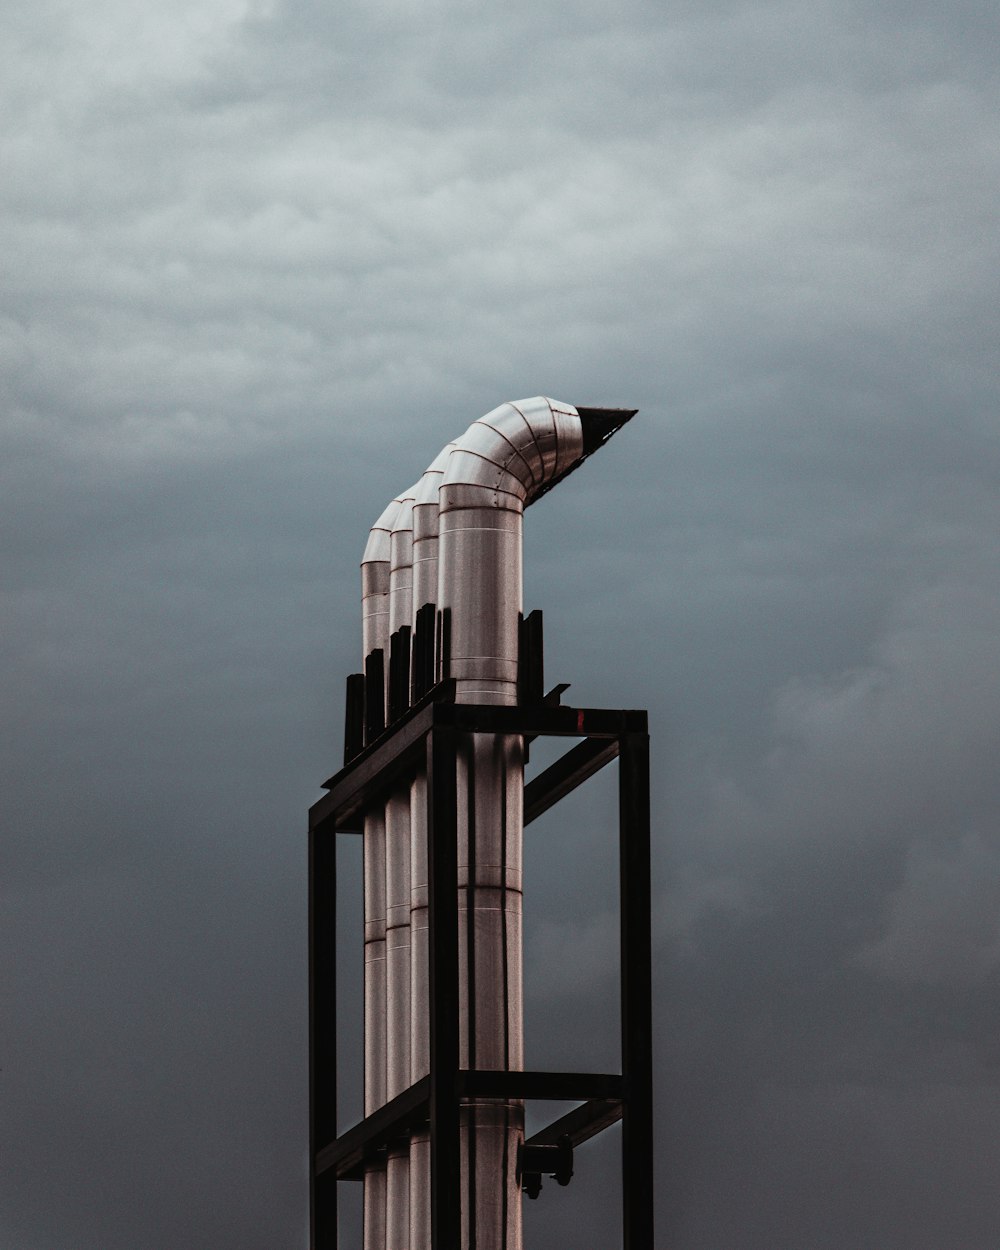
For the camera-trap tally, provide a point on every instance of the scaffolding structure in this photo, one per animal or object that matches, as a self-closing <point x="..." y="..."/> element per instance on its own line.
<point x="427" y="737"/>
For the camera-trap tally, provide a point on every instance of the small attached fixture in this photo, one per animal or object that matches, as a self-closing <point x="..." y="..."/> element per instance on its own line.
<point x="534" y="1162"/>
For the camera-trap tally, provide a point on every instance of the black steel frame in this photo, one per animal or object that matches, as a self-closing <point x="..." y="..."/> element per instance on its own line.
<point x="428" y="734"/>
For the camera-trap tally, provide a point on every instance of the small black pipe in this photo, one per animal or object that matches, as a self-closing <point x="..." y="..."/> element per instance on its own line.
<point x="374" y="694"/>
<point x="354" y="717"/>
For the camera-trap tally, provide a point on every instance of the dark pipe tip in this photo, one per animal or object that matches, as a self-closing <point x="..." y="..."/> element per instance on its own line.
<point x="600" y="423"/>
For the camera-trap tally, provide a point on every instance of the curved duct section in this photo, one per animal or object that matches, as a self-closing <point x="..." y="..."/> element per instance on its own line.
<point x="503" y="462"/>
<point x="375" y="565"/>
<point x="375" y="576"/>
<point x="397" y="886"/>
<point x="425" y="581"/>
<point x="454" y="542"/>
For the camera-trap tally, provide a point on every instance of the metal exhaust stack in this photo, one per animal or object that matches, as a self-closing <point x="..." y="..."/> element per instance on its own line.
<point x="501" y="464"/>
<point x="442" y="624"/>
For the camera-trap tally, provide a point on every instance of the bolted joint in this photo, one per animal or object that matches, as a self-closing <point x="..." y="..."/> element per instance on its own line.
<point x="534" y="1162"/>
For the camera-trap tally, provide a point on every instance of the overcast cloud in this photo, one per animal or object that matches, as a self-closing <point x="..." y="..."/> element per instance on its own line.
<point x="261" y="261"/>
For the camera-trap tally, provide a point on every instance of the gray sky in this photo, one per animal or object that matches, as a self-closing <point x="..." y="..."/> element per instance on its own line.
<point x="261" y="260"/>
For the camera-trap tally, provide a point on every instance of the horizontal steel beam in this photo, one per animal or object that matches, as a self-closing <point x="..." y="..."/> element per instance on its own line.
<point x="410" y="1109"/>
<point x="559" y="1086"/>
<point x="580" y="1124"/>
<point x="398" y="750"/>
<point x="571" y="770"/>
<point x="397" y="1118"/>
<point x="443" y="692"/>
<point x="541" y="721"/>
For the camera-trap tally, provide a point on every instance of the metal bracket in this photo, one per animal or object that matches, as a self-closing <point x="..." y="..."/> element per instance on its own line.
<point x="535" y="1161"/>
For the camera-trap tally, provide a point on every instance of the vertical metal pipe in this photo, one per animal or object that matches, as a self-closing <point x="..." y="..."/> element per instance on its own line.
<point x="397" y="894"/>
<point x="470" y="524"/>
<point x="501" y="462"/>
<point x="425" y="579"/>
<point x="375" y="568"/>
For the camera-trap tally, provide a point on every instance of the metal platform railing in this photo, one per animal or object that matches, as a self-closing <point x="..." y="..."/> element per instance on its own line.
<point x="427" y="737"/>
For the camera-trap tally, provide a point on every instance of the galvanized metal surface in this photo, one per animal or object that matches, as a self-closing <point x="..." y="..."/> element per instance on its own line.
<point x="425" y="579"/>
<point x="375" y="589"/>
<point x="491" y="473"/>
<point x="462" y="522"/>
<point x="397" y="892"/>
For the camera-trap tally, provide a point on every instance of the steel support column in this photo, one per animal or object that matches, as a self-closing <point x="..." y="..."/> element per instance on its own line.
<point x="322" y="1034"/>
<point x="636" y="991"/>
<point x="429" y="737"/>
<point x="442" y="879"/>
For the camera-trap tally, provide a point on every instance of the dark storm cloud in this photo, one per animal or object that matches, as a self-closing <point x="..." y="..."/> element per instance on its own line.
<point x="262" y="262"/>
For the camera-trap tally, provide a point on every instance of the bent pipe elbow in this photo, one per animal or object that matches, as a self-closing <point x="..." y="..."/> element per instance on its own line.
<point x="503" y="462"/>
